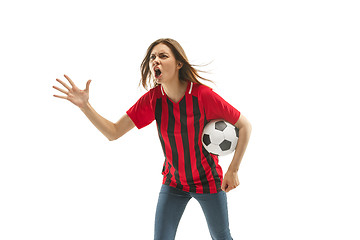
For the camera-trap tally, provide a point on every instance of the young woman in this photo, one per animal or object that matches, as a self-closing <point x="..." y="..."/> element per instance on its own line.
<point x="181" y="106"/>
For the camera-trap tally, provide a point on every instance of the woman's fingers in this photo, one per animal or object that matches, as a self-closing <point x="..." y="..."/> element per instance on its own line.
<point x="74" y="94"/>
<point x="70" y="81"/>
<point x="59" y="89"/>
<point x="60" y="96"/>
<point x="64" y="84"/>
<point x="87" y="85"/>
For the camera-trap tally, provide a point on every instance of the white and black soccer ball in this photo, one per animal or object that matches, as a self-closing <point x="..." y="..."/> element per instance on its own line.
<point x="220" y="137"/>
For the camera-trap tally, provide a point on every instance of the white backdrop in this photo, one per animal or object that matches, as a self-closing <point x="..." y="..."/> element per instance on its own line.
<point x="291" y="67"/>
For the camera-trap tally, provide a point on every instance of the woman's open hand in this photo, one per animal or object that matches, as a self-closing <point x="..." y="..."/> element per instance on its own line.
<point x="78" y="97"/>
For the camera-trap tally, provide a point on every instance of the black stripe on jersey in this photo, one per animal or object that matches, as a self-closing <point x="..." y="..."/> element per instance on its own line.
<point x="211" y="163"/>
<point x="171" y="135"/>
<point x="185" y="140"/>
<point x="158" y="114"/>
<point x="199" y="166"/>
<point x="168" y="175"/>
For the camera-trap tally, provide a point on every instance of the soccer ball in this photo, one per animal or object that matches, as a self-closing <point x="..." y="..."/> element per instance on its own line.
<point x="220" y="137"/>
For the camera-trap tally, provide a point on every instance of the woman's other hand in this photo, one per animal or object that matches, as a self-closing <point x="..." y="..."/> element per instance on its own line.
<point x="230" y="181"/>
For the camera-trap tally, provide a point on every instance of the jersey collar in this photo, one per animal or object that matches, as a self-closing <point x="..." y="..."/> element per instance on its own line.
<point x="191" y="86"/>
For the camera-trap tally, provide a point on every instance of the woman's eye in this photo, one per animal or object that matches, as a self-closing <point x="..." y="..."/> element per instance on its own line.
<point x="152" y="57"/>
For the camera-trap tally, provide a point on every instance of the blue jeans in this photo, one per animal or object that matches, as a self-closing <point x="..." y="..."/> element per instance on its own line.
<point x="171" y="206"/>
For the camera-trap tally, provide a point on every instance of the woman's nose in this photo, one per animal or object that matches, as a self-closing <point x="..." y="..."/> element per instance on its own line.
<point x="156" y="61"/>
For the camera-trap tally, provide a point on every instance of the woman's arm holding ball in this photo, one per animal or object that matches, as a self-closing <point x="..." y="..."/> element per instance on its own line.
<point x="231" y="179"/>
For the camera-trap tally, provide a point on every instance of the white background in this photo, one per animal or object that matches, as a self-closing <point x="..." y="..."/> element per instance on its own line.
<point x="291" y="67"/>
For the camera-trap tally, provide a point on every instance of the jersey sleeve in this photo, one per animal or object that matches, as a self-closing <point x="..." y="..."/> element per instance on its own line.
<point x="142" y="112"/>
<point x="217" y="108"/>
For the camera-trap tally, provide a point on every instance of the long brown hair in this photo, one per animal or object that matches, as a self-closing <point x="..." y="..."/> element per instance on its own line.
<point x="186" y="73"/>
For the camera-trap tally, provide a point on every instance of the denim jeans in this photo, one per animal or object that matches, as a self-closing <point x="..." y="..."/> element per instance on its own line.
<point x="171" y="206"/>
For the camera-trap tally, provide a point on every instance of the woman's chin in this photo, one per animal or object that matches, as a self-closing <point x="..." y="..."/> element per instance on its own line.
<point x="159" y="80"/>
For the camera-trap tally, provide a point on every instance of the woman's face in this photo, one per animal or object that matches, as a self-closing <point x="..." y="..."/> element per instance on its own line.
<point x="163" y="65"/>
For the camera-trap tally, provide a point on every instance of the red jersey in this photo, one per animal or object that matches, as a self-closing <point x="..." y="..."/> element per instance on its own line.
<point x="188" y="166"/>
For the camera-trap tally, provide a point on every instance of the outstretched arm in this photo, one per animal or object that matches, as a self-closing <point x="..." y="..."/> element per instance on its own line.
<point x="80" y="98"/>
<point x="109" y="129"/>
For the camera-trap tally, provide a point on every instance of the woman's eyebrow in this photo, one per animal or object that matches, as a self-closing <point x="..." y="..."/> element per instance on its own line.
<point x="161" y="52"/>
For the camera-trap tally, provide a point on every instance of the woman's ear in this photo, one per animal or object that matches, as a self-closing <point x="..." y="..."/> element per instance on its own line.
<point x="179" y="65"/>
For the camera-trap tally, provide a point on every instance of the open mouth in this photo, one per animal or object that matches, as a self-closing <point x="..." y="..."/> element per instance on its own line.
<point x="157" y="73"/>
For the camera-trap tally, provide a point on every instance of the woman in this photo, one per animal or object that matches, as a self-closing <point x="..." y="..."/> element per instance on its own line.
<point x="181" y="106"/>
